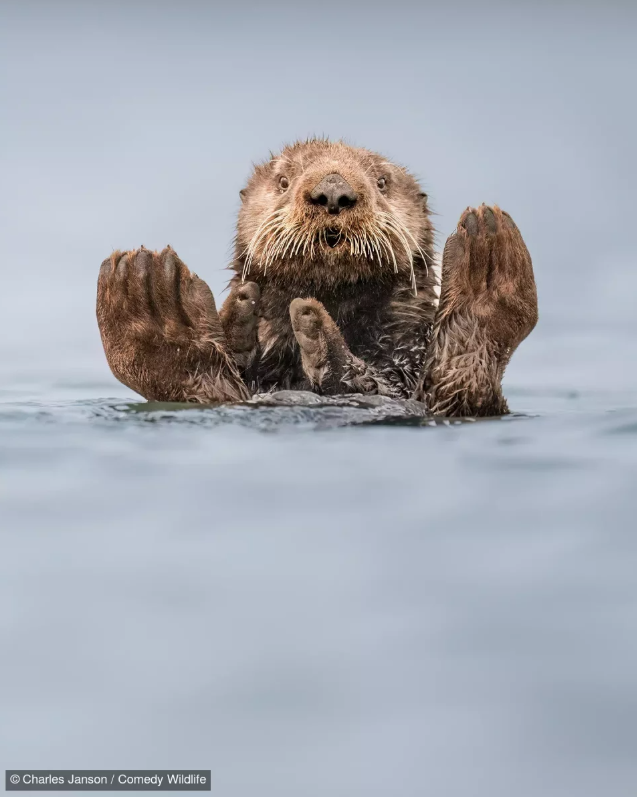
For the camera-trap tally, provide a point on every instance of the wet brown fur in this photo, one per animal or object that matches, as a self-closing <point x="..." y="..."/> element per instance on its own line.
<point x="362" y="316"/>
<point x="161" y="332"/>
<point x="488" y="305"/>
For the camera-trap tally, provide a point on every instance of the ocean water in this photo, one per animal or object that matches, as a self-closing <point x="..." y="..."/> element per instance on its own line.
<point x="320" y="602"/>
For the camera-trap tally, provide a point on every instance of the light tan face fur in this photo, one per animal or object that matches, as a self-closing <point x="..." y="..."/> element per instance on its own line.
<point x="282" y="233"/>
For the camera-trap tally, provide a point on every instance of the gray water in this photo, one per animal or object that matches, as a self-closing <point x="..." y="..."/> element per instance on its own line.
<point x="310" y="608"/>
<point x="315" y="602"/>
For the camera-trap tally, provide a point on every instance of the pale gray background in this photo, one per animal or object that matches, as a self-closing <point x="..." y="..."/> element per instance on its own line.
<point x="131" y="122"/>
<point x="358" y="612"/>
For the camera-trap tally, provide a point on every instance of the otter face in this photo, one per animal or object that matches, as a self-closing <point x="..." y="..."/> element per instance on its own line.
<point x="327" y="213"/>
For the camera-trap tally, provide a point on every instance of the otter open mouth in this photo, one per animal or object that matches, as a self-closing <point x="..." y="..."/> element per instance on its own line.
<point x="333" y="237"/>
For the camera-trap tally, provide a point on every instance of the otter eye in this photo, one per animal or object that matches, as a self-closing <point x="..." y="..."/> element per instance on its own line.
<point x="382" y="183"/>
<point x="284" y="182"/>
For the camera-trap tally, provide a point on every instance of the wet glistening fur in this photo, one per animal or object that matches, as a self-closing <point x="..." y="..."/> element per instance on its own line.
<point x="334" y="291"/>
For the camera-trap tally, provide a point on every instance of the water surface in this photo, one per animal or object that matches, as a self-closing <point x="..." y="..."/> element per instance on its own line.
<point x="310" y="602"/>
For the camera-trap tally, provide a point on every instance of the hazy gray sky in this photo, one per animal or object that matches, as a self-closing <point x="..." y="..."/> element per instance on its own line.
<point x="136" y="122"/>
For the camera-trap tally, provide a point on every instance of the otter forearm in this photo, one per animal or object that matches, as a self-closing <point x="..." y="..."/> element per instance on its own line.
<point x="463" y="372"/>
<point x="488" y="305"/>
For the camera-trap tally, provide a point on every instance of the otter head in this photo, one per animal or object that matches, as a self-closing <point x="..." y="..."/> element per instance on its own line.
<point x="327" y="213"/>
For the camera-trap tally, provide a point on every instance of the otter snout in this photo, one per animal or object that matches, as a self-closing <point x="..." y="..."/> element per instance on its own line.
<point x="334" y="193"/>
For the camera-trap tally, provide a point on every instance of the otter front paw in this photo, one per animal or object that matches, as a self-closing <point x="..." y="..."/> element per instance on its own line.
<point x="488" y="305"/>
<point x="487" y="273"/>
<point x="327" y="361"/>
<point x="324" y="353"/>
<point x="239" y="318"/>
<point x="161" y="332"/>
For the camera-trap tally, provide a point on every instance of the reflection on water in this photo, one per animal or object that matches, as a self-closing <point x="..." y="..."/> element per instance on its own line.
<point x="321" y="599"/>
<point x="384" y="607"/>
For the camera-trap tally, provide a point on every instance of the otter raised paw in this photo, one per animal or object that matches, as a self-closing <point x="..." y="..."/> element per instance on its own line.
<point x="328" y="364"/>
<point x="161" y="332"/>
<point x="488" y="305"/>
<point x="239" y="318"/>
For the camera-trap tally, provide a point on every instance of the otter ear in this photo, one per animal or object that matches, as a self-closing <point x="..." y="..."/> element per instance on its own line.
<point x="242" y="194"/>
<point x="423" y="198"/>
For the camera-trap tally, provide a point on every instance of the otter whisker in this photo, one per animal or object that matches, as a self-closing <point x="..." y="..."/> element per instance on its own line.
<point x="383" y="254"/>
<point x="291" y="238"/>
<point x="269" y="236"/>
<point x="407" y="232"/>
<point x="392" y="223"/>
<point x="274" y="218"/>
<point x="300" y="243"/>
<point x="363" y="238"/>
<point x="269" y="250"/>
<point x="404" y="242"/>
<point x="382" y="247"/>
<point x="373" y="253"/>
<point x="251" y="244"/>
<point x="374" y="244"/>
<point x="424" y="257"/>
<point x="269" y="224"/>
<point x="287" y="235"/>
<point x="307" y="247"/>
<point x="386" y="241"/>
<point x="398" y="229"/>
<point x="366" y="247"/>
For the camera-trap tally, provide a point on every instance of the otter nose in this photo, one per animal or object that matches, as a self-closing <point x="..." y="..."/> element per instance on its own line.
<point x="334" y="193"/>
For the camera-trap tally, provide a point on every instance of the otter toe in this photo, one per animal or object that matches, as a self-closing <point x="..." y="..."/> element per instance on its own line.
<point x="141" y="261"/>
<point x="170" y="265"/>
<point x="488" y="218"/>
<point x="121" y="267"/>
<point x="469" y="221"/>
<point x="508" y="221"/>
<point x="108" y="265"/>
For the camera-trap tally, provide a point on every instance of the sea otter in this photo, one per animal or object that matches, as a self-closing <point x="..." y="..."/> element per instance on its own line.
<point x="335" y="291"/>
